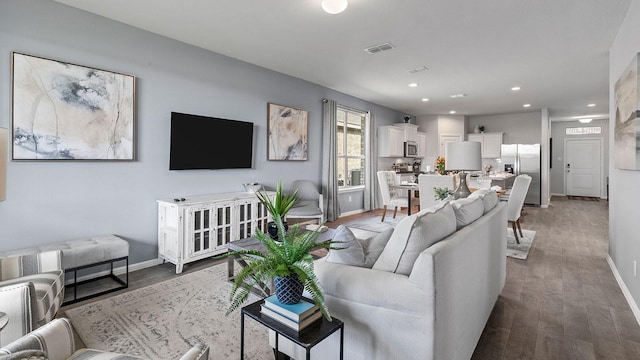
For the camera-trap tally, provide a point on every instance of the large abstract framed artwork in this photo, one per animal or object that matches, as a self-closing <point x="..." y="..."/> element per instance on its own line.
<point x="287" y="133"/>
<point x="626" y="131"/>
<point x="63" y="111"/>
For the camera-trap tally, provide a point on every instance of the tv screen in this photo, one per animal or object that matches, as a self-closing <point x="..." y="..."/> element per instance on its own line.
<point x="201" y="142"/>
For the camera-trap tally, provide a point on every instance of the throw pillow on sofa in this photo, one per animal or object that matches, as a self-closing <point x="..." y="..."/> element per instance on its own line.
<point x="357" y="252"/>
<point x="488" y="196"/>
<point x="467" y="211"/>
<point x="413" y="235"/>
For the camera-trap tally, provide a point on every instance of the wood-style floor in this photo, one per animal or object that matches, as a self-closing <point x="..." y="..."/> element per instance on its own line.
<point x="563" y="302"/>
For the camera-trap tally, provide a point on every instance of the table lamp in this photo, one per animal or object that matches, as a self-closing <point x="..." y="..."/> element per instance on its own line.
<point x="463" y="156"/>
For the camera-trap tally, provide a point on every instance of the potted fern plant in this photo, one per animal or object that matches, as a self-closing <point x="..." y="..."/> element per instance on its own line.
<point x="288" y="262"/>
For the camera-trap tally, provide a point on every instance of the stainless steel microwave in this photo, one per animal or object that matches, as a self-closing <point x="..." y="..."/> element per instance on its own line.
<point x="410" y="149"/>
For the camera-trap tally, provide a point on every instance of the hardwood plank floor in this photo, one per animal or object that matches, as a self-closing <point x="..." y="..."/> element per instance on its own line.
<point x="563" y="302"/>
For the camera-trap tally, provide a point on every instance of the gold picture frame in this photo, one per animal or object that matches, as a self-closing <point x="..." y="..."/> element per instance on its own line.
<point x="286" y="133"/>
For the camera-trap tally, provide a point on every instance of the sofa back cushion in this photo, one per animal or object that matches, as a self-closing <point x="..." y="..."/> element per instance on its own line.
<point x="488" y="196"/>
<point x="357" y="252"/>
<point x="413" y="235"/>
<point x="467" y="211"/>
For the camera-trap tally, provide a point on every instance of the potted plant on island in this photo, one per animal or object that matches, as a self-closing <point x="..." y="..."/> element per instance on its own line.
<point x="288" y="261"/>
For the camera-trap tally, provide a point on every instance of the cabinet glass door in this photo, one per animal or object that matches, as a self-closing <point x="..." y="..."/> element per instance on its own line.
<point x="200" y="230"/>
<point x="261" y="216"/>
<point x="245" y="227"/>
<point x="224" y="220"/>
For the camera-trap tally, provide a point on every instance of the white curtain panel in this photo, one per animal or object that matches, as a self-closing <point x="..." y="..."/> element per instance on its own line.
<point x="371" y="155"/>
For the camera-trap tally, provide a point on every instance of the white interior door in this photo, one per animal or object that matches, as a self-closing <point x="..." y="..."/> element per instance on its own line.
<point x="583" y="167"/>
<point x="444" y="139"/>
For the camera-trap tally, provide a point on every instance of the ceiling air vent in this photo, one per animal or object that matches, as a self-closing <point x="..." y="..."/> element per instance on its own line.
<point x="378" y="48"/>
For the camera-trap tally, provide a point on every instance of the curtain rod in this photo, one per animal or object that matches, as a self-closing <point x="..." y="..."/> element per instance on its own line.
<point x="347" y="107"/>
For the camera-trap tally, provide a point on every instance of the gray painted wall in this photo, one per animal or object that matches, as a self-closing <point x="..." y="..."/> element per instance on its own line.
<point x="558" y="137"/>
<point x="55" y="201"/>
<point x="624" y="193"/>
<point x="521" y="128"/>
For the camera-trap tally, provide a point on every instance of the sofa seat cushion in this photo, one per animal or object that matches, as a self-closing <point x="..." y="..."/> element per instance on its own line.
<point x="49" y="288"/>
<point x="413" y="235"/>
<point x="355" y="251"/>
<point x="86" y="354"/>
<point x="488" y="196"/>
<point x="467" y="211"/>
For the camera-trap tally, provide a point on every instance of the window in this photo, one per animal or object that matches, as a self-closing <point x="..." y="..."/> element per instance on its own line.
<point x="589" y="130"/>
<point x="351" y="140"/>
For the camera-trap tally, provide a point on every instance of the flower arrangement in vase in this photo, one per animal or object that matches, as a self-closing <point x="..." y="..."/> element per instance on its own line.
<point x="439" y="165"/>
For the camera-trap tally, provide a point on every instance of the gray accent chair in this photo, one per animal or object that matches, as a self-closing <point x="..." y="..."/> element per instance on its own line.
<point x="31" y="292"/>
<point x="54" y="341"/>
<point x="309" y="204"/>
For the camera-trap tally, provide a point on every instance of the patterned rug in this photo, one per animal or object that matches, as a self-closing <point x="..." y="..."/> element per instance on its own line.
<point x="163" y="320"/>
<point x="519" y="251"/>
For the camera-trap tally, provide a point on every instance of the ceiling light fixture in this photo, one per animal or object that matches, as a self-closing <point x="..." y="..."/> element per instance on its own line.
<point x="585" y="121"/>
<point x="515" y="88"/>
<point x="455" y="96"/>
<point x="413" y="85"/>
<point x="334" y="6"/>
<point x="425" y="99"/>
<point x="526" y="105"/>
<point x="452" y="112"/>
<point x="591" y="105"/>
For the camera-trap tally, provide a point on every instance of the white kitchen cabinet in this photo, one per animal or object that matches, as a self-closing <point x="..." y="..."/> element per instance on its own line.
<point x="202" y="226"/>
<point x="491" y="144"/>
<point x="390" y="141"/>
<point x="421" y="139"/>
<point x="410" y="131"/>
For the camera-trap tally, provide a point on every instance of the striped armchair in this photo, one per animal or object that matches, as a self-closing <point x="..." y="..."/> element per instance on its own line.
<point x="54" y="341"/>
<point x="31" y="291"/>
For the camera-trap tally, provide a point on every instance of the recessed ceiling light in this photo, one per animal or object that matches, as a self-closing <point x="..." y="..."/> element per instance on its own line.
<point x="591" y="105"/>
<point x="452" y="112"/>
<point x="455" y="96"/>
<point x="526" y="105"/>
<point x="425" y="99"/>
<point x="417" y="70"/>
<point x="515" y="88"/>
<point x="585" y="121"/>
<point x="413" y="85"/>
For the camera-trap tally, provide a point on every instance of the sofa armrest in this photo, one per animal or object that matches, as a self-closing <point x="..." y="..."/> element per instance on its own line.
<point x="18" y="302"/>
<point x="371" y="287"/>
<point x="55" y="337"/>
<point x="30" y="264"/>
<point x="197" y="352"/>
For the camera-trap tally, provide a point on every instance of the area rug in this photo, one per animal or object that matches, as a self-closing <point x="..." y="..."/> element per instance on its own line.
<point x="519" y="251"/>
<point x="163" y="321"/>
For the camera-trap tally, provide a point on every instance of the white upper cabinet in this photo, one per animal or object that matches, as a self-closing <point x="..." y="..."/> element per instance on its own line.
<point x="410" y="131"/>
<point x="390" y="141"/>
<point x="491" y="144"/>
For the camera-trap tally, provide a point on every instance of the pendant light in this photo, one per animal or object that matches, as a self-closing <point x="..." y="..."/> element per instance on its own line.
<point x="334" y="6"/>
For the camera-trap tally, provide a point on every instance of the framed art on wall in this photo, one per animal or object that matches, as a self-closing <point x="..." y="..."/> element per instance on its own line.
<point x="287" y="133"/>
<point x="626" y="151"/>
<point x="63" y="111"/>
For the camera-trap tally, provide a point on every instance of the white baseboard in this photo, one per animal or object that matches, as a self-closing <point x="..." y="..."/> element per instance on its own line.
<point x="354" y="212"/>
<point x="558" y="194"/>
<point x="625" y="290"/>
<point x="119" y="270"/>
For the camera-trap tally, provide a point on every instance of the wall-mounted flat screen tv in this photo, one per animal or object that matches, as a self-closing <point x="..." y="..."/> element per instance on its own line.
<point x="202" y="142"/>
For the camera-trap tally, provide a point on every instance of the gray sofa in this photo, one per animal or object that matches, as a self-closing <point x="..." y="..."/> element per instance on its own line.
<point x="54" y="341"/>
<point x="428" y="294"/>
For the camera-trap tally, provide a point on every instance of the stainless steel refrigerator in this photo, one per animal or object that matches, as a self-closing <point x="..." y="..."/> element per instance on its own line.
<point x="525" y="159"/>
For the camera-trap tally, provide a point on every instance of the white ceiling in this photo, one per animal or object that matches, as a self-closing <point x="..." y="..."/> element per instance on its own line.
<point x="556" y="50"/>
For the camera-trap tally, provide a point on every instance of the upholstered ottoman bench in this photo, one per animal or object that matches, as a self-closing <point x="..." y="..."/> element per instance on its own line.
<point x="86" y="253"/>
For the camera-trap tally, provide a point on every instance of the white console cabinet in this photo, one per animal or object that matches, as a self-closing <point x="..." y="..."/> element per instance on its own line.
<point x="202" y="226"/>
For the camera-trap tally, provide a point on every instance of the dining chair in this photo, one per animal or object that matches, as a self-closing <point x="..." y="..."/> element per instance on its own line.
<point x="309" y="204"/>
<point x="390" y="195"/>
<point x="516" y="201"/>
<point x="427" y="182"/>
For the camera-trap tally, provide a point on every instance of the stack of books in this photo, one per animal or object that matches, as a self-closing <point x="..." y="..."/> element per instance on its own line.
<point x="297" y="316"/>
